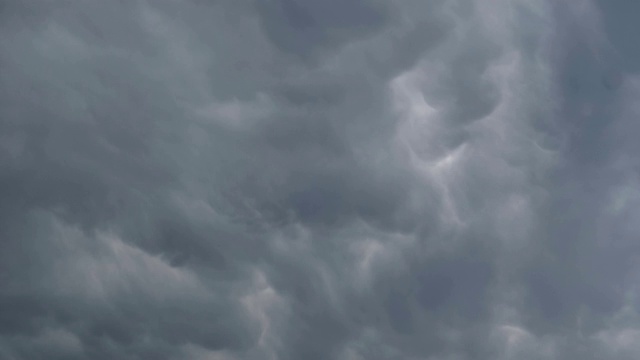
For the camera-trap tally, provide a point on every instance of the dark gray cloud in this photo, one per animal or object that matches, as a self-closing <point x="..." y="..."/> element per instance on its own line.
<point x="299" y="179"/>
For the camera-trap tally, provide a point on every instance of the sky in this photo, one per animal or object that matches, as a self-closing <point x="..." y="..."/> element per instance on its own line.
<point x="305" y="179"/>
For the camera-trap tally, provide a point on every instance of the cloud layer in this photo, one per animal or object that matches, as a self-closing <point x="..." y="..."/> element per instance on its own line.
<point x="301" y="179"/>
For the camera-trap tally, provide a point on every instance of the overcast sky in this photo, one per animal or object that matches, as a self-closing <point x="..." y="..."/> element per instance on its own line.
<point x="320" y="179"/>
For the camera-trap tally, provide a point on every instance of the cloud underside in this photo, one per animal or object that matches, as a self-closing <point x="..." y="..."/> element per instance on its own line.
<point x="301" y="179"/>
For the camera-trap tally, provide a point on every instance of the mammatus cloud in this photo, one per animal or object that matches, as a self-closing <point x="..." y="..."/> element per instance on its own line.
<point x="300" y="179"/>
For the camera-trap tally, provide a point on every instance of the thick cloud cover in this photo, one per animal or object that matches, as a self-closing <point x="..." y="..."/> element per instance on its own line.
<point x="302" y="179"/>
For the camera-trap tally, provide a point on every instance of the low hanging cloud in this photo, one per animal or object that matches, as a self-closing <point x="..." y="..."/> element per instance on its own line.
<point x="301" y="179"/>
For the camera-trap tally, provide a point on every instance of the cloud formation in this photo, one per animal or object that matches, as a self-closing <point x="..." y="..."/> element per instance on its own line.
<point x="301" y="179"/>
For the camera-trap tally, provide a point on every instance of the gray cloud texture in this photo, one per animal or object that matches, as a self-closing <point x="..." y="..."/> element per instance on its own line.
<point x="304" y="179"/>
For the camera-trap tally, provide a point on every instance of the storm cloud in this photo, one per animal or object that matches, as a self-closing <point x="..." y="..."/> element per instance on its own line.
<point x="306" y="179"/>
